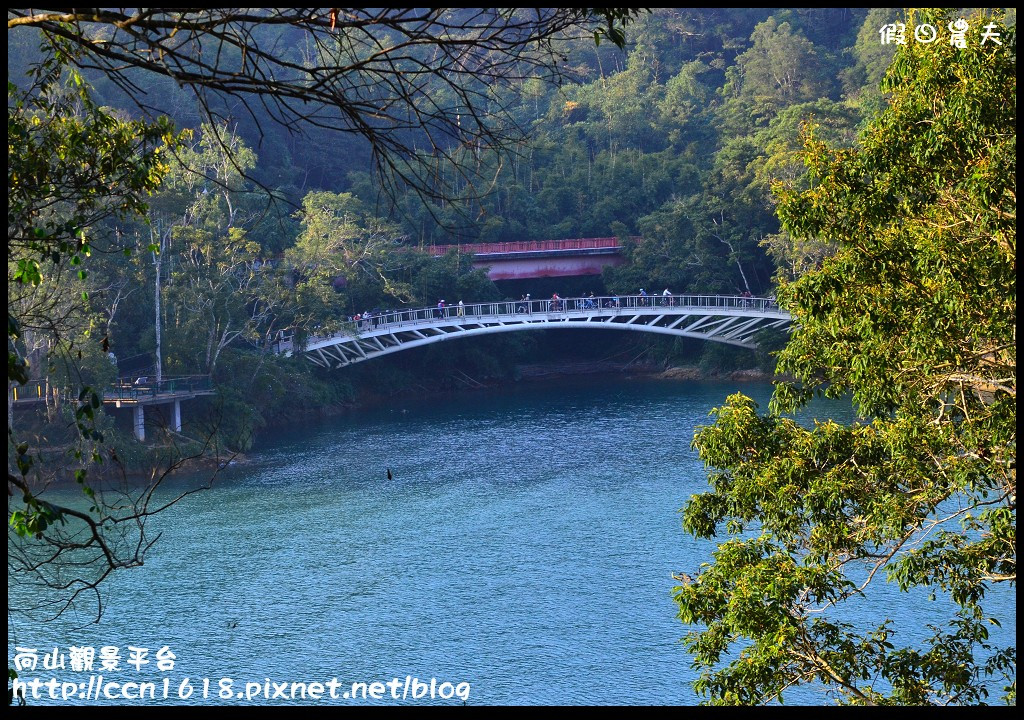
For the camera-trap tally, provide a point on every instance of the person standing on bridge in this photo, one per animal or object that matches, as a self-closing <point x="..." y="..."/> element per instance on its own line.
<point x="462" y="309"/>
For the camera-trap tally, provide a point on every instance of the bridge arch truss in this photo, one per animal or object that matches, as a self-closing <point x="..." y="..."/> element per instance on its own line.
<point x="716" y="318"/>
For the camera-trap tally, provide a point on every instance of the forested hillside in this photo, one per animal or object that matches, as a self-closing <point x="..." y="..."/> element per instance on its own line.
<point x="675" y="139"/>
<point x="190" y="191"/>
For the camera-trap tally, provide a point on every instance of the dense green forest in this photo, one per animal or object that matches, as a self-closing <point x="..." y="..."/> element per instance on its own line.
<point x="913" y="317"/>
<point x="675" y="138"/>
<point x="761" y="150"/>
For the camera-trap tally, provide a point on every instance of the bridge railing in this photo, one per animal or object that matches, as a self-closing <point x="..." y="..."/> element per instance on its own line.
<point x="32" y="391"/>
<point x="141" y="388"/>
<point x="524" y="246"/>
<point x="548" y="309"/>
<point x="126" y="390"/>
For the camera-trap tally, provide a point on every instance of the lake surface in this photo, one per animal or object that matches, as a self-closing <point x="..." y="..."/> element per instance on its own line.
<point x="524" y="545"/>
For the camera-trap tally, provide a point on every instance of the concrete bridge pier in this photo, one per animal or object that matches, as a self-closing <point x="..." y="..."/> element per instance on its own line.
<point x="139" y="416"/>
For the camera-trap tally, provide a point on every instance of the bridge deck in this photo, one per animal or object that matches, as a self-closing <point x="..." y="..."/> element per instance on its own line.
<point x="139" y="392"/>
<point x="728" y="319"/>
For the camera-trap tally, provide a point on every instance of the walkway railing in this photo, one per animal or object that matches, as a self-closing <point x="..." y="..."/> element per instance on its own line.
<point x="142" y="388"/>
<point x="398" y="318"/>
<point x="34" y="391"/>
<point x="124" y="390"/>
<point x="544" y="310"/>
<point x="529" y="246"/>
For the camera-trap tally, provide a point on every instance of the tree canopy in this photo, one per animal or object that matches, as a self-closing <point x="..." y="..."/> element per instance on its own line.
<point x="418" y="85"/>
<point x="914" y="318"/>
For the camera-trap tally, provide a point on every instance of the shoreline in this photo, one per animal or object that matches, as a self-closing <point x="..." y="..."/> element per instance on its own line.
<point x="532" y="373"/>
<point x="525" y="374"/>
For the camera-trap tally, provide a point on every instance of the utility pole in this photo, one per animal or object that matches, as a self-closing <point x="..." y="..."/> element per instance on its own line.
<point x="158" y="258"/>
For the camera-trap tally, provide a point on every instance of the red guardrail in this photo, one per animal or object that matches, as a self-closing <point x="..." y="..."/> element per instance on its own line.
<point x="528" y="246"/>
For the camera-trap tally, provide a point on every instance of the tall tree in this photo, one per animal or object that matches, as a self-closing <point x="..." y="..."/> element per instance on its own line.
<point x="70" y="165"/>
<point x="782" y="67"/>
<point x="914" y="317"/>
<point x="341" y="242"/>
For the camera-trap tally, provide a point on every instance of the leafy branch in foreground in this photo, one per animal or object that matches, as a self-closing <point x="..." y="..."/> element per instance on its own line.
<point x="419" y="85"/>
<point x="914" y="317"/>
<point x="64" y="550"/>
<point x="70" y="166"/>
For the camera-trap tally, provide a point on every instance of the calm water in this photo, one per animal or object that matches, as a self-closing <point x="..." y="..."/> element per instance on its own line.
<point x="524" y="545"/>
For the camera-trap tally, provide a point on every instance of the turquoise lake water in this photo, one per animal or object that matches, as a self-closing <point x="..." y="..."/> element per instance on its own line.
<point x="524" y="546"/>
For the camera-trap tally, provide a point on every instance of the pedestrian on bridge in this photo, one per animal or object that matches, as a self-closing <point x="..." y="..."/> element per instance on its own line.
<point x="462" y="309"/>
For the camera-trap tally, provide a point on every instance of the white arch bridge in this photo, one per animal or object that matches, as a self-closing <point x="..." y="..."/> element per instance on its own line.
<point x="718" y="318"/>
